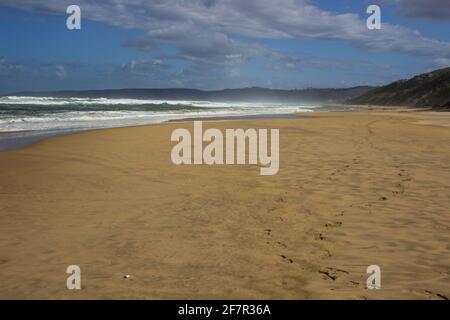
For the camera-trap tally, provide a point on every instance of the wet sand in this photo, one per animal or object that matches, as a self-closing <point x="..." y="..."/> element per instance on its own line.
<point x="12" y="140"/>
<point x="354" y="189"/>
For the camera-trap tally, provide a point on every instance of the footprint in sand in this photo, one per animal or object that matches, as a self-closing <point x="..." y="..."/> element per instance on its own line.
<point x="319" y="236"/>
<point x="340" y="214"/>
<point x="332" y="273"/>
<point x="281" y="244"/>
<point x="326" y="254"/>
<point x="354" y="283"/>
<point x="286" y="259"/>
<point x="334" y="224"/>
<point x="278" y="205"/>
<point x="435" y="295"/>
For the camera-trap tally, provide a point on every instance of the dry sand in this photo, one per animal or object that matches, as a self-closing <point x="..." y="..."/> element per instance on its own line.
<point x="354" y="189"/>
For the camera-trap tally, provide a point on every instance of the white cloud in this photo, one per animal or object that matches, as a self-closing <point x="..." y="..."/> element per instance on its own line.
<point x="441" y="63"/>
<point x="202" y="27"/>
<point x="60" y="71"/>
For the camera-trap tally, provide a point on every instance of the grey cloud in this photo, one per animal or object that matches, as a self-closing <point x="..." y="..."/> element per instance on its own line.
<point x="27" y="69"/>
<point x="18" y="75"/>
<point x="145" y="68"/>
<point x="156" y="73"/>
<point x="60" y="71"/>
<point x="431" y="9"/>
<point x="328" y="64"/>
<point x="441" y="63"/>
<point x="10" y="69"/>
<point x="198" y="74"/>
<point x="199" y="45"/>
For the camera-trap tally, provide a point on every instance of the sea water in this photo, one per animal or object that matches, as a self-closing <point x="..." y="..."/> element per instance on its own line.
<point x="26" y="119"/>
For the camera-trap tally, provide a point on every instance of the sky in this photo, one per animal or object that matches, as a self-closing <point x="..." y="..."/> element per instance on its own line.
<point x="216" y="44"/>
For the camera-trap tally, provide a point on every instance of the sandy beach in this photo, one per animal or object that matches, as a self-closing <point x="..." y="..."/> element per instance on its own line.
<point x="354" y="189"/>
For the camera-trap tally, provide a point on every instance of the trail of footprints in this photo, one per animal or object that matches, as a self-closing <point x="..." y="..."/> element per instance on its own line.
<point x="277" y="244"/>
<point x="400" y="179"/>
<point x="319" y="236"/>
<point x="269" y="232"/>
<point x="332" y="274"/>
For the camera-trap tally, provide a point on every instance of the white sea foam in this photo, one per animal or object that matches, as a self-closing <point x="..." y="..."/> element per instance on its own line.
<point x="49" y="113"/>
<point x="18" y="100"/>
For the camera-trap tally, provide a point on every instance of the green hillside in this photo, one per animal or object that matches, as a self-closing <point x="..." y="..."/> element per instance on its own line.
<point x="426" y="90"/>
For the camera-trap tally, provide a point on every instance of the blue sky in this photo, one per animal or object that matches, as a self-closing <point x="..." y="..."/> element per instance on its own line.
<point x="214" y="44"/>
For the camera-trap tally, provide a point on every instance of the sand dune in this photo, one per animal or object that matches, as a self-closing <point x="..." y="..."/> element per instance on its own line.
<point x="354" y="189"/>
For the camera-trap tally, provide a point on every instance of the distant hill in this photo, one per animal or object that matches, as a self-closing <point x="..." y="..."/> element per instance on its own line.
<point x="243" y="95"/>
<point x="426" y="90"/>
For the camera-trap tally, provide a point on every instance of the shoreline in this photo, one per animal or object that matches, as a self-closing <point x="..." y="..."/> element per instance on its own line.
<point x="15" y="140"/>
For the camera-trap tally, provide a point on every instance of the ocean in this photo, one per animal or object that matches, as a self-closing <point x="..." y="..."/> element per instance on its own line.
<point x="26" y="120"/>
<point x="48" y="113"/>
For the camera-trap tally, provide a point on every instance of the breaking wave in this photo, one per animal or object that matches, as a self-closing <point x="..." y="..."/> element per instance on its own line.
<point x="51" y="113"/>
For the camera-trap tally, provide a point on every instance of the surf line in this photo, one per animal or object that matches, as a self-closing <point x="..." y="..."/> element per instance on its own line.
<point x="235" y="143"/>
